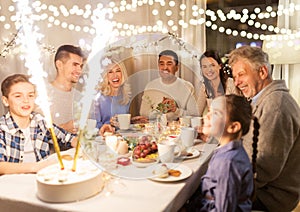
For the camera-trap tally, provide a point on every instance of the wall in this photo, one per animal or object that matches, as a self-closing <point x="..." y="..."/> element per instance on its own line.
<point x="54" y="36"/>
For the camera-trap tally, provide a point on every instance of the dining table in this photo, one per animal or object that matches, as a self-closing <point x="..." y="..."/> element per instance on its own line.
<point x="19" y="191"/>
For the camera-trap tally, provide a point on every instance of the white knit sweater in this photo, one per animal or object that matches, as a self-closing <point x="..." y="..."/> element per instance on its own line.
<point x="181" y="91"/>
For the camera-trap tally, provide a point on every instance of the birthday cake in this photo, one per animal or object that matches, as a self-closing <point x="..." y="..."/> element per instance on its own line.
<point x="56" y="185"/>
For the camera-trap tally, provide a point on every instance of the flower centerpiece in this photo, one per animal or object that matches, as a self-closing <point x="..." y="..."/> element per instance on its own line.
<point x="158" y="115"/>
<point x="159" y="109"/>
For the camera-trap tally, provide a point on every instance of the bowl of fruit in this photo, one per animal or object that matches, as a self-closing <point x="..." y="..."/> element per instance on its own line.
<point x="145" y="153"/>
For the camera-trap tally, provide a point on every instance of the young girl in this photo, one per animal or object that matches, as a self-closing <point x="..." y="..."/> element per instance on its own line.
<point x="24" y="137"/>
<point x="228" y="182"/>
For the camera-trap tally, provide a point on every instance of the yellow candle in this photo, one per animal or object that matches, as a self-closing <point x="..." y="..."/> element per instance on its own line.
<point x="56" y="147"/>
<point x="77" y="151"/>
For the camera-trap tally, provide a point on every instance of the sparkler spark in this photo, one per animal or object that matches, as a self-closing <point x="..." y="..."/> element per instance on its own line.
<point x="103" y="34"/>
<point x="35" y="69"/>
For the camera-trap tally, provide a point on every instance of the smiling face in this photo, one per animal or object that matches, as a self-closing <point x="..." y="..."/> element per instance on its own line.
<point x="167" y="68"/>
<point x="70" y="68"/>
<point x="20" y="100"/>
<point x="114" y="76"/>
<point x="215" y="119"/>
<point x="249" y="80"/>
<point x="210" y="68"/>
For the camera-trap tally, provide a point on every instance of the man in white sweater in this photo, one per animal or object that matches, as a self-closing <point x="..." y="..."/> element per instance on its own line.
<point x="168" y="93"/>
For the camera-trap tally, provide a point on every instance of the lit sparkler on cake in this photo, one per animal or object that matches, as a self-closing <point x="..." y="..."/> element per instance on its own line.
<point x="64" y="184"/>
<point x="94" y="68"/>
<point x="32" y="62"/>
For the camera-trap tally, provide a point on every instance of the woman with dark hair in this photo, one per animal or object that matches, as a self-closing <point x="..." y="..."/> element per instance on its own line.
<point x="217" y="80"/>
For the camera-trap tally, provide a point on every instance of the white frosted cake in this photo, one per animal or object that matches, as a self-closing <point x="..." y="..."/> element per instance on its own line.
<point x="56" y="185"/>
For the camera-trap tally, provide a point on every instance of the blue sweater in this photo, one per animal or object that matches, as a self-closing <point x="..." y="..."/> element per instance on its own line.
<point x="105" y="107"/>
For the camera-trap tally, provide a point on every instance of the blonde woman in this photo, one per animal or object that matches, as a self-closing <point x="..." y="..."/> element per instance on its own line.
<point x="114" y="94"/>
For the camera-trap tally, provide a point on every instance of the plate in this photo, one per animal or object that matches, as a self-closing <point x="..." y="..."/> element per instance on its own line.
<point x="133" y="128"/>
<point x="185" y="173"/>
<point x="143" y="164"/>
<point x="195" y="153"/>
<point x="137" y="127"/>
<point x="197" y="141"/>
<point x="150" y="160"/>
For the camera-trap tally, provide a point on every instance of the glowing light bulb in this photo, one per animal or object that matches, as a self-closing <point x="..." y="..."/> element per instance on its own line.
<point x="168" y="12"/>
<point x="214" y="27"/>
<point x="155" y="12"/>
<point x="170" y="22"/>
<point x="182" y="6"/>
<point x="7" y="26"/>
<point x="172" y="3"/>
<point x="174" y="28"/>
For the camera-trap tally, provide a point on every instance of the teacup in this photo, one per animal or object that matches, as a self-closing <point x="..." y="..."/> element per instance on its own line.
<point x="104" y="154"/>
<point x="187" y="136"/>
<point x="91" y="129"/>
<point x="91" y="124"/>
<point x="124" y="121"/>
<point x="167" y="151"/>
<point x="196" y="122"/>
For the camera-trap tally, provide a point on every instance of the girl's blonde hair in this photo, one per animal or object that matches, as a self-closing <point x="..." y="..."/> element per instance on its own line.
<point x="124" y="90"/>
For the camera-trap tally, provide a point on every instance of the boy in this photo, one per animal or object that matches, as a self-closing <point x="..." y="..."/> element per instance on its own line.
<point x="24" y="137"/>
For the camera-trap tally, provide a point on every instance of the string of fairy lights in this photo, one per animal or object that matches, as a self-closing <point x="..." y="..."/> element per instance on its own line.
<point x="61" y="16"/>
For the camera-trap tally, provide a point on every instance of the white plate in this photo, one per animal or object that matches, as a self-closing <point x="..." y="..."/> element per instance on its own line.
<point x="197" y="141"/>
<point x="143" y="164"/>
<point x="185" y="173"/>
<point x="137" y="127"/>
<point x="195" y="153"/>
<point x="132" y="128"/>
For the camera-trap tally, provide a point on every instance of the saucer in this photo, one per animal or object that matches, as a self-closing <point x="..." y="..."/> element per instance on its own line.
<point x="193" y="153"/>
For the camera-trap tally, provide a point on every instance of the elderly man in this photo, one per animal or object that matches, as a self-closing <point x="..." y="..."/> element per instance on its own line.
<point x="278" y="170"/>
<point x="169" y="94"/>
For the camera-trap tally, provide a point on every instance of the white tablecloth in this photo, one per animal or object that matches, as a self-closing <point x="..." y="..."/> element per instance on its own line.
<point x="18" y="192"/>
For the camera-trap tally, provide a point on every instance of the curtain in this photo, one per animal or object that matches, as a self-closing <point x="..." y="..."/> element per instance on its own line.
<point x="290" y="71"/>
